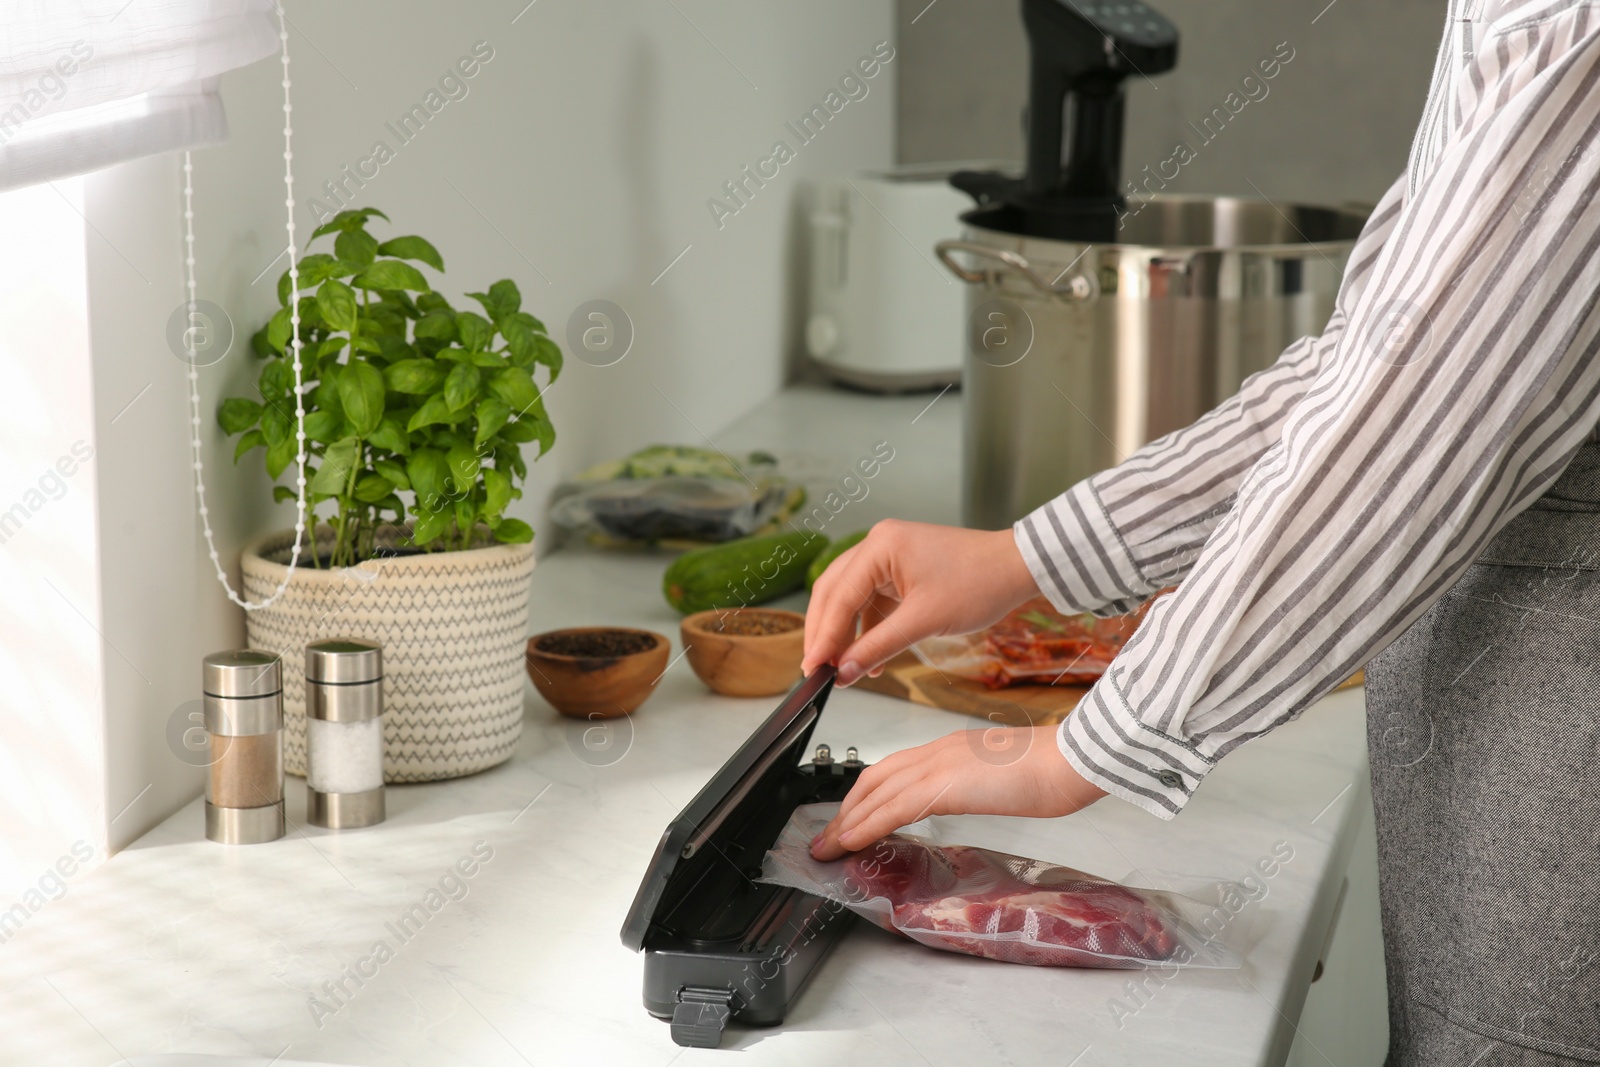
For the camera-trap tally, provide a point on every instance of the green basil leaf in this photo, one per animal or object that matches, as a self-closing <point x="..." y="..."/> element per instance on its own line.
<point x="311" y="271"/>
<point x="461" y="385"/>
<point x="325" y="397"/>
<point x="278" y="329"/>
<point x="395" y="348"/>
<point x="391" y="274"/>
<point x="492" y="415"/>
<point x="509" y="457"/>
<point x="544" y="431"/>
<point x="501" y="300"/>
<point x="515" y="386"/>
<point x="474" y="331"/>
<point x="371" y="488"/>
<point x="496" y="492"/>
<point x="398" y="302"/>
<point x="507" y="298"/>
<point x="247" y="442"/>
<point x="392" y="471"/>
<point x="282" y="493"/>
<point x="310" y="317"/>
<point x="433" y="411"/>
<point x="491" y="360"/>
<point x="428" y="472"/>
<point x="334" y="474"/>
<point x="548" y="352"/>
<point x="236" y="415"/>
<point x="436" y="326"/>
<point x="521" y="335"/>
<point x="324" y="427"/>
<point x="513" y="532"/>
<point x="413" y="248"/>
<point x="361" y="392"/>
<point x="356" y="246"/>
<point x="432" y="301"/>
<point x="363" y="343"/>
<point x="331" y="346"/>
<point x="391" y="437"/>
<point x="337" y="303"/>
<point x="260" y="345"/>
<point x="463" y="461"/>
<point x="280" y="455"/>
<point x="276" y="424"/>
<point x="348" y="220"/>
<point x="430" y="525"/>
<point x="466" y="515"/>
<point x="520" y="431"/>
<point x="531" y="428"/>
<point x="413" y="376"/>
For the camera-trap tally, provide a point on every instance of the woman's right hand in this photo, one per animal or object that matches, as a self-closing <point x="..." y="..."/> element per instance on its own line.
<point x="907" y="581"/>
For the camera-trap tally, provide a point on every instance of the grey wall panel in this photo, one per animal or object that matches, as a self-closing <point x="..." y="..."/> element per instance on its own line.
<point x="1335" y="123"/>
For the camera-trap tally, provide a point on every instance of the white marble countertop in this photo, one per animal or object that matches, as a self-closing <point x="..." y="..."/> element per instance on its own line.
<point x="178" y="945"/>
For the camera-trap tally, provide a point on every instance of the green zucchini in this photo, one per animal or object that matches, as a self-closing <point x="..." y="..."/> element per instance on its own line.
<point x="752" y="570"/>
<point x="831" y="553"/>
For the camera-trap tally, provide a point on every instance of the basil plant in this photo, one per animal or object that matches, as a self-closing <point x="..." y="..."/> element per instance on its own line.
<point x="412" y="407"/>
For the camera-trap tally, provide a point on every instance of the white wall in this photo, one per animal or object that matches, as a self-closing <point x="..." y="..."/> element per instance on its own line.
<point x="579" y="163"/>
<point x="51" y="657"/>
<point x="162" y="607"/>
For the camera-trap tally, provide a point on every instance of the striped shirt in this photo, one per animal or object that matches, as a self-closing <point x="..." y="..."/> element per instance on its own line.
<point x="1344" y="490"/>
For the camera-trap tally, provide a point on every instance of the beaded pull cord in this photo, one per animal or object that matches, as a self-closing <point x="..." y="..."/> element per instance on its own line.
<point x="294" y="340"/>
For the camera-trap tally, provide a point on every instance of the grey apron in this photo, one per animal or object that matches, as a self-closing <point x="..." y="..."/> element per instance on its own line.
<point x="1484" y="735"/>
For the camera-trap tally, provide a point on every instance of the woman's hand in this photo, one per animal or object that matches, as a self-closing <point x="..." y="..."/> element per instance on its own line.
<point x="907" y="581"/>
<point x="999" y="771"/>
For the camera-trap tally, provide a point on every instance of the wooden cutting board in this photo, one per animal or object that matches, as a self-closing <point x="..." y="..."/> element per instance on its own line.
<point x="908" y="678"/>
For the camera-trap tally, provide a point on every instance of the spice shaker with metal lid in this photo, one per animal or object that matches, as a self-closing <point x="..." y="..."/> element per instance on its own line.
<point x="243" y="712"/>
<point x="344" y="733"/>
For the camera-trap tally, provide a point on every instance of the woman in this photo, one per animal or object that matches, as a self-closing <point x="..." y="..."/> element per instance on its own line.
<point x="1420" y="481"/>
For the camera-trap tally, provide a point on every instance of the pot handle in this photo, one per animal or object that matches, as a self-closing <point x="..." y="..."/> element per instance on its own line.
<point x="1078" y="287"/>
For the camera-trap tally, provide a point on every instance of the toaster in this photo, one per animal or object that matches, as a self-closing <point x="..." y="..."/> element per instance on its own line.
<point x="882" y="314"/>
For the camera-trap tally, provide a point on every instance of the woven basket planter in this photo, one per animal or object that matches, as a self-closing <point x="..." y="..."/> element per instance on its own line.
<point x="453" y="626"/>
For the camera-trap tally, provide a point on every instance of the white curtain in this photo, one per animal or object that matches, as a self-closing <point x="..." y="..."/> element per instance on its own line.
<point x="88" y="83"/>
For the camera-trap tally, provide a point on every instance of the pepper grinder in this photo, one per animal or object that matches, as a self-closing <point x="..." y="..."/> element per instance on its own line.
<point x="344" y="733"/>
<point x="244" y="720"/>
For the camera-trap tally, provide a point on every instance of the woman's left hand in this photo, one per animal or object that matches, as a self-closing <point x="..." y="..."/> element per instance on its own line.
<point x="998" y="771"/>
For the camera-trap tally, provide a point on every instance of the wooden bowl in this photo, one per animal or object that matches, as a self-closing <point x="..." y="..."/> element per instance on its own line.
<point x="596" y="682"/>
<point x="745" y="664"/>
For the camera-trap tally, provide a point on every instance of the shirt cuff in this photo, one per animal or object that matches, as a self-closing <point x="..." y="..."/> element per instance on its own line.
<point x="1077" y="557"/>
<point x="1106" y="743"/>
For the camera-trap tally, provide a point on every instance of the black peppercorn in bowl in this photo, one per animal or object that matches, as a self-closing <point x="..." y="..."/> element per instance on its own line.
<point x="596" y="672"/>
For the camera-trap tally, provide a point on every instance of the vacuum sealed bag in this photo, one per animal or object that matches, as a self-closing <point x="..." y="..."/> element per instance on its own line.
<point x="1037" y="644"/>
<point x="1002" y="907"/>
<point x="669" y="493"/>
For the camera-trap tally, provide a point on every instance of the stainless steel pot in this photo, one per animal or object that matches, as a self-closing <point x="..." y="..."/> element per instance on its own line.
<point x="1077" y="354"/>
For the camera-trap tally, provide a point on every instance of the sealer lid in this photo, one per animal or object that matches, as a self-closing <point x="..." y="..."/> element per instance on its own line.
<point x="245" y="672"/>
<point x="343" y="661"/>
<point x="746" y="781"/>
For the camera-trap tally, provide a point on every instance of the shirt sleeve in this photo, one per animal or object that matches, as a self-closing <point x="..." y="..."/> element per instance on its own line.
<point x="1462" y="381"/>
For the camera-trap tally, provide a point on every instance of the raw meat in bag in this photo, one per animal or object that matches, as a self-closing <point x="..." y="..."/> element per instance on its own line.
<point x="991" y="904"/>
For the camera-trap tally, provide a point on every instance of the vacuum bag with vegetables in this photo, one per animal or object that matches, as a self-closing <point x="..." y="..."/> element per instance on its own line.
<point x="677" y="493"/>
<point x="1002" y="907"/>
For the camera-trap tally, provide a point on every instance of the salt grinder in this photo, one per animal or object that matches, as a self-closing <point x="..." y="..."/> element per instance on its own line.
<point x="344" y="733"/>
<point x="244" y="722"/>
